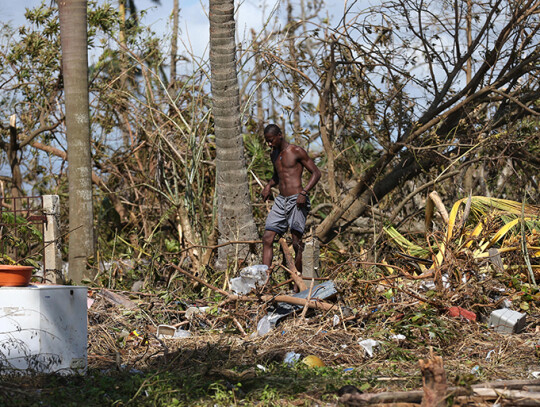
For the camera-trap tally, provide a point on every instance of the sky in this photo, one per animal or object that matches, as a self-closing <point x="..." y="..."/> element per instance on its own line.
<point x="193" y="17"/>
<point x="194" y="24"/>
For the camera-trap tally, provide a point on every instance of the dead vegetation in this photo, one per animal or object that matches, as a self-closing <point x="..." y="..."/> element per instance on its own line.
<point x="415" y="308"/>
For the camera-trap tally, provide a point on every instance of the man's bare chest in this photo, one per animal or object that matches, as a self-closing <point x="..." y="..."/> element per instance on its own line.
<point x="285" y="162"/>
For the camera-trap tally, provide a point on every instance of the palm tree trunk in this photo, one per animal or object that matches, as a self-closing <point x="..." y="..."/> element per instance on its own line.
<point x="73" y="37"/>
<point x="235" y="217"/>
<point x="174" y="48"/>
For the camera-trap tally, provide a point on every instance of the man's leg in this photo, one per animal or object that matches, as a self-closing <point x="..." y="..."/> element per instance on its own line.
<point x="298" y="247"/>
<point x="268" y="242"/>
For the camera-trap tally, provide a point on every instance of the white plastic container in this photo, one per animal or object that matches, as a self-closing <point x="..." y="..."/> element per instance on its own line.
<point x="43" y="329"/>
<point x="507" y="321"/>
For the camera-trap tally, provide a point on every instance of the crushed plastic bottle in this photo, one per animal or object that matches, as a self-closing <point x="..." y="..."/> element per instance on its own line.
<point x="249" y="278"/>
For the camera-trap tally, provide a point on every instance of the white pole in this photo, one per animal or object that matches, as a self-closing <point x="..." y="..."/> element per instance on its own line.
<point x="51" y="238"/>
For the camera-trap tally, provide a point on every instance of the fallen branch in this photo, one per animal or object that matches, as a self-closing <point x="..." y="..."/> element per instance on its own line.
<point x="118" y="299"/>
<point x="291" y="268"/>
<point x="304" y="311"/>
<point x="200" y="280"/>
<point x="437" y="201"/>
<point x="479" y="393"/>
<point x="316" y="304"/>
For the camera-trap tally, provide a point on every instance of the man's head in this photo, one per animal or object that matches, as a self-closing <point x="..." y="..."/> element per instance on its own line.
<point x="273" y="135"/>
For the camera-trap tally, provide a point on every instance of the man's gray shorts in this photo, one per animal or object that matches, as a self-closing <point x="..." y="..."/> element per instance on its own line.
<point x="286" y="214"/>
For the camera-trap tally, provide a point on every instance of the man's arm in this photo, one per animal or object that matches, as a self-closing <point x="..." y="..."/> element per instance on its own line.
<point x="267" y="190"/>
<point x="309" y="164"/>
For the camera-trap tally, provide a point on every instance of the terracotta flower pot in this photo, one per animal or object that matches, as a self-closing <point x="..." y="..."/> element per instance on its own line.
<point x="15" y="276"/>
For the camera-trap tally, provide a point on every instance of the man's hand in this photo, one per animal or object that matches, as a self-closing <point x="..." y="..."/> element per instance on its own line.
<point x="301" y="200"/>
<point x="266" y="192"/>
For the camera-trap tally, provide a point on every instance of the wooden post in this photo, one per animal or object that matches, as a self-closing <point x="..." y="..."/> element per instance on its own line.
<point x="51" y="238"/>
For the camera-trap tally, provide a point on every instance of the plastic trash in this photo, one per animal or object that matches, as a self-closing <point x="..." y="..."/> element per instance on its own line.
<point x="506" y="320"/>
<point x="313" y="361"/>
<point x="368" y="345"/>
<point x="398" y="337"/>
<point x="249" y="278"/>
<point x="168" y="331"/>
<point x="263" y="326"/>
<point x="506" y="303"/>
<point x="191" y="311"/>
<point x="336" y="320"/>
<point x="291" y="358"/>
<point x="181" y="333"/>
<point x="165" y="330"/>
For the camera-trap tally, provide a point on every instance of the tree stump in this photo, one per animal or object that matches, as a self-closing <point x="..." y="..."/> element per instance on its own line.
<point x="434" y="381"/>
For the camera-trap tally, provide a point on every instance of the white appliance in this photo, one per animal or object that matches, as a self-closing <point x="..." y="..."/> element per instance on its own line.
<point x="43" y="329"/>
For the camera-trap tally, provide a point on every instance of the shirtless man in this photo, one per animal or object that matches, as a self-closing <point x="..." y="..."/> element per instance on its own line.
<point x="291" y="207"/>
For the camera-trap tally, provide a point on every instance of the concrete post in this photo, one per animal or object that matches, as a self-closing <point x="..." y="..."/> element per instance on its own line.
<point x="51" y="239"/>
<point x="310" y="258"/>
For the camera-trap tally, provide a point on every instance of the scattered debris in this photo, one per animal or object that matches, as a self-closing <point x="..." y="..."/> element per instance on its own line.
<point x="118" y="299"/>
<point x="368" y="345"/>
<point x="193" y="311"/>
<point x="291" y="304"/>
<point x="313" y="361"/>
<point x="460" y="312"/>
<point x="169" y="331"/>
<point x="250" y="278"/>
<point x="507" y="320"/>
<point x="291" y="358"/>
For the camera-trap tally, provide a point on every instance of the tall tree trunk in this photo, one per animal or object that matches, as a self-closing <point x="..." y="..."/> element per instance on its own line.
<point x="73" y="36"/>
<point x="174" y="49"/>
<point x="259" y="82"/>
<point x="296" y="82"/>
<point x="235" y="216"/>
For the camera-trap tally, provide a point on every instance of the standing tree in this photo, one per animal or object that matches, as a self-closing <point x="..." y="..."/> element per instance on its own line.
<point x="235" y="217"/>
<point x="73" y="36"/>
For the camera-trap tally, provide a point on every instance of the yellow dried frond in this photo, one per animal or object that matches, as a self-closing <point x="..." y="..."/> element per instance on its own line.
<point x="476" y="232"/>
<point x="452" y="218"/>
<point x="481" y="206"/>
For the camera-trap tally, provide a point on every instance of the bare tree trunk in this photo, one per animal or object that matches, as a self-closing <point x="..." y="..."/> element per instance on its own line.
<point x="469" y="38"/>
<point x="73" y="37"/>
<point x="259" y="82"/>
<point x="296" y="83"/>
<point x="174" y="49"/>
<point x="326" y="115"/>
<point x="235" y="216"/>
